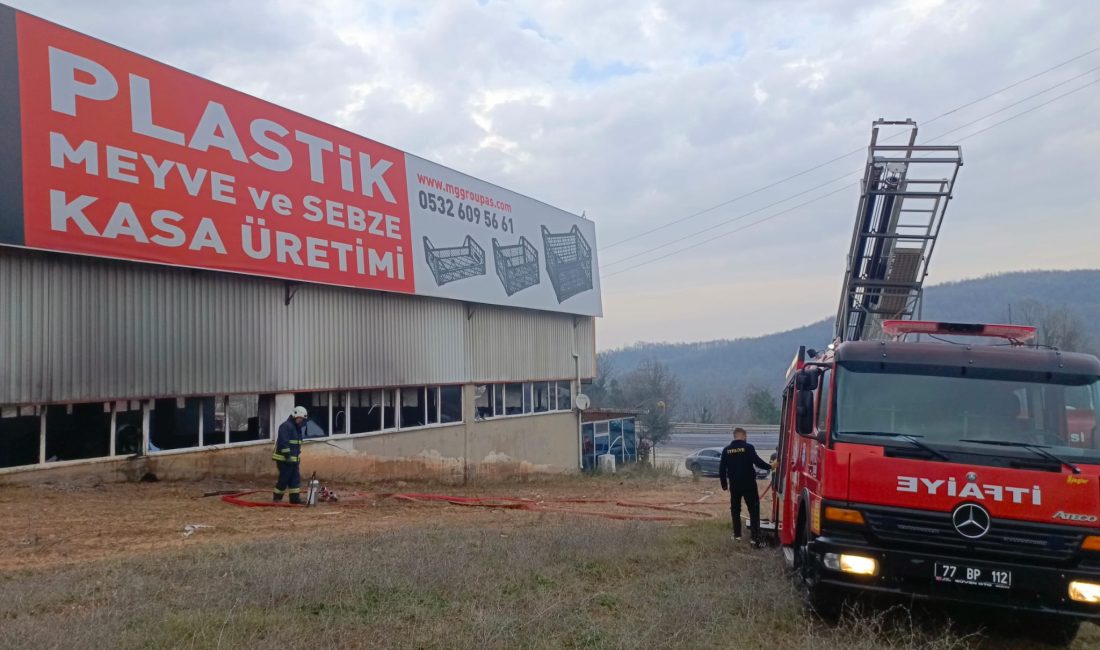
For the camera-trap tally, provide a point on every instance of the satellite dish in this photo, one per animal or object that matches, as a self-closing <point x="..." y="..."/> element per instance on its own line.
<point x="582" y="402"/>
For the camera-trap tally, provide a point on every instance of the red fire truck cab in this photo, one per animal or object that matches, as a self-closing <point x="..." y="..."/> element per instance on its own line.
<point x="951" y="472"/>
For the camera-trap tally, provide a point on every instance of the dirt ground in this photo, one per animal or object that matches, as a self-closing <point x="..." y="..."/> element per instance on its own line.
<point x="59" y="525"/>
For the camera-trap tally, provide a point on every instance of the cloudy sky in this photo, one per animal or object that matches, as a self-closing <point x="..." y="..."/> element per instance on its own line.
<point x="642" y="113"/>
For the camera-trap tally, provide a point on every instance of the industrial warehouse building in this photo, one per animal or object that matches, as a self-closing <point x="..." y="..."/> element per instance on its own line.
<point x="452" y="349"/>
<point x="102" y="359"/>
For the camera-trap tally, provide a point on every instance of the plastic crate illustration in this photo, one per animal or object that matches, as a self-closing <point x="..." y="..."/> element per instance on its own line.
<point x="517" y="265"/>
<point x="456" y="262"/>
<point x="568" y="262"/>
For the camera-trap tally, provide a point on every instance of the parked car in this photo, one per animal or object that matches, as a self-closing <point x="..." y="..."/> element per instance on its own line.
<point x="705" y="462"/>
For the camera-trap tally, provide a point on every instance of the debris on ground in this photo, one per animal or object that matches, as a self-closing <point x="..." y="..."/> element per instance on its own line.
<point x="189" y="529"/>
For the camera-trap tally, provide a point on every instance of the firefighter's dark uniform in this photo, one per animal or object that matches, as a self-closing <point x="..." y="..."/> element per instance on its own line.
<point x="288" y="450"/>
<point x="736" y="473"/>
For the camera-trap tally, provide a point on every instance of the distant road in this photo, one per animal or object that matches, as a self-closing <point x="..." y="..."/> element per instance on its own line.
<point x="686" y="443"/>
<point x="679" y="445"/>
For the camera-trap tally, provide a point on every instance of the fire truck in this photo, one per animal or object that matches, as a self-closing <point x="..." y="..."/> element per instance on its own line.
<point x="930" y="460"/>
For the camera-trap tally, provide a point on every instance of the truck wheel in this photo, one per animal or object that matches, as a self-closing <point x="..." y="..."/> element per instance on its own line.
<point x="825" y="602"/>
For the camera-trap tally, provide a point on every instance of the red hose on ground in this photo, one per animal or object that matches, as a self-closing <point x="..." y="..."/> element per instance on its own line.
<point x="235" y="499"/>
<point x="505" y="503"/>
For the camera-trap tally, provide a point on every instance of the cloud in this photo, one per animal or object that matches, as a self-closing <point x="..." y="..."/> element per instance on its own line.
<point x="585" y="72"/>
<point x="642" y="112"/>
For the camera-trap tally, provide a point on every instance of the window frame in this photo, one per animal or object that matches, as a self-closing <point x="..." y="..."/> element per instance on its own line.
<point x="499" y="392"/>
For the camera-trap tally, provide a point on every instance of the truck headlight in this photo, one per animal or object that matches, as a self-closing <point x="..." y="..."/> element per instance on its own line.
<point x="1084" y="592"/>
<point x="856" y="564"/>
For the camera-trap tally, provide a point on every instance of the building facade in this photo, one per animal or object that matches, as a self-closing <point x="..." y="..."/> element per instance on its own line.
<point x="104" y="359"/>
<point x="181" y="264"/>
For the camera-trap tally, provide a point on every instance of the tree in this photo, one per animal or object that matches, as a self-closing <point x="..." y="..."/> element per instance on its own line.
<point x="761" y="405"/>
<point x="654" y="390"/>
<point x="1057" y="327"/>
<point x="701" y="409"/>
<point x="604" y="390"/>
<point x="730" y="408"/>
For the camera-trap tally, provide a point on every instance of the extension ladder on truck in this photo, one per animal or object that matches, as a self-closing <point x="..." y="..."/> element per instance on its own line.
<point x="904" y="195"/>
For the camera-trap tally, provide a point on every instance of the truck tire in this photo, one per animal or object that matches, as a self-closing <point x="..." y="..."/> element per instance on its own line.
<point x="823" y="601"/>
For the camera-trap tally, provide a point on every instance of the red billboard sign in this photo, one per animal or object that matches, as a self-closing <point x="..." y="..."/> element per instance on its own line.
<point x="126" y="157"/>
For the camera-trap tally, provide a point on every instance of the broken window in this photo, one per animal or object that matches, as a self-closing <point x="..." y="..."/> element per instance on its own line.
<point x="565" y="401"/>
<point x="266" y="414"/>
<point x="129" y="420"/>
<point x="389" y="408"/>
<point x="542" y="397"/>
<point x="243" y="417"/>
<point x="513" y="399"/>
<point x="498" y="399"/>
<point x="483" y="401"/>
<point x="528" y="398"/>
<point x="20" y="428"/>
<point x="174" y="423"/>
<point x="450" y="404"/>
<point x="78" y="431"/>
<point x="316" y="405"/>
<point x="433" y="404"/>
<point x="365" y="408"/>
<point x="213" y="420"/>
<point x="412" y="407"/>
<point x="339" y="410"/>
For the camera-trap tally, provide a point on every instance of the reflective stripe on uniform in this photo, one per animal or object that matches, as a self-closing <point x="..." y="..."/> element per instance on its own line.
<point x="285" y="450"/>
<point x="294" y="442"/>
<point x="278" y="457"/>
<point x="293" y="459"/>
<point x="294" y="491"/>
<point x="278" y="491"/>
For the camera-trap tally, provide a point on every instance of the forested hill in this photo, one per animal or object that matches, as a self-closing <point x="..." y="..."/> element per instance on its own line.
<point x="713" y="372"/>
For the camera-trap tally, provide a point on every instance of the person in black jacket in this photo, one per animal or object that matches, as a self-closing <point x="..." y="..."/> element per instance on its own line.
<point x="737" y="474"/>
<point x="288" y="455"/>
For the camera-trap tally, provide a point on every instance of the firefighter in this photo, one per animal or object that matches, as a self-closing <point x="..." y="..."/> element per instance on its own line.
<point x="737" y="475"/>
<point x="288" y="455"/>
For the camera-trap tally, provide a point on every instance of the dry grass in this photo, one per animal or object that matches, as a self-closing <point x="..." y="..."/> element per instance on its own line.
<point x="549" y="582"/>
<point x="662" y="470"/>
<point x="108" y="568"/>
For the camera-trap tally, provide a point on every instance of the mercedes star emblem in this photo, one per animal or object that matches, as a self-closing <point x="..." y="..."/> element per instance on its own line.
<point x="971" y="520"/>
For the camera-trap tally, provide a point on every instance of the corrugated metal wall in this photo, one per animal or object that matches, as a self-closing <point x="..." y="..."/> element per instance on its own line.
<point x="75" y="328"/>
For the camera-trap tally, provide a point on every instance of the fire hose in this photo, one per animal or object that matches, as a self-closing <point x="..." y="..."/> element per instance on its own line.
<point x="506" y="503"/>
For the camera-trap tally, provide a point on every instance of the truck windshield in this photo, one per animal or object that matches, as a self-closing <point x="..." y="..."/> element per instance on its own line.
<point x="943" y="406"/>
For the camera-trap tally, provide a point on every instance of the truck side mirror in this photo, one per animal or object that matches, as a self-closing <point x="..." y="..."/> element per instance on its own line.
<point x="806" y="382"/>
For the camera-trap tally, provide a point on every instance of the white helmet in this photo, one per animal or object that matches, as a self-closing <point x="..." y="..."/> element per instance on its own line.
<point x="299" y="412"/>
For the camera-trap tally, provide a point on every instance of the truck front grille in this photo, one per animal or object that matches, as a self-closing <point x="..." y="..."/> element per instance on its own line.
<point x="1006" y="539"/>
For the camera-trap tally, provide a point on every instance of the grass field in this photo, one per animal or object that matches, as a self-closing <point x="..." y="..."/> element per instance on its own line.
<point x="517" y="579"/>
